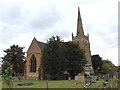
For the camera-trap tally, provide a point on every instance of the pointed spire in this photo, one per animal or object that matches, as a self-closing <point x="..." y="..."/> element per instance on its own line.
<point x="80" y="31"/>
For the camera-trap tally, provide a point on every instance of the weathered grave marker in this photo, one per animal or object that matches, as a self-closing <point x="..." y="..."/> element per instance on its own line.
<point x="106" y="77"/>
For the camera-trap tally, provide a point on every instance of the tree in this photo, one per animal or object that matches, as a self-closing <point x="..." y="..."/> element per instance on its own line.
<point x="7" y="71"/>
<point x="118" y="68"/>
<point x="97" y="63"/>
<point x="15" y="56"/>
<point x="75" y="59"/>
<point x="107" y="66"/>
<point x="53" y="57"/>
<point x="59" y="56"/>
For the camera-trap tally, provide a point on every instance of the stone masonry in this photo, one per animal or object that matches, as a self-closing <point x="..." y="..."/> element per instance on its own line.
<point x="36" y="49"/>
<point x="82" y="40"/>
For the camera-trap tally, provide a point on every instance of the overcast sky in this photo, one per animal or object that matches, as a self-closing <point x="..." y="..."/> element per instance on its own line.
<point x="21" y="20"/>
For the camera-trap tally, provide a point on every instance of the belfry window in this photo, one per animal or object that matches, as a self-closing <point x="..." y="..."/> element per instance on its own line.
<point x="33" y="63"/>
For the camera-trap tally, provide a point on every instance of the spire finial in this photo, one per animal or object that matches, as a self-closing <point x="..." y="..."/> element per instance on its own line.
<point x="78" y="12"/>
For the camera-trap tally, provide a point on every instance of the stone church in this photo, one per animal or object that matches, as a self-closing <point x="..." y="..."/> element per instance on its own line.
<point x="82" y="39"/>
<point x="33" y="69"/>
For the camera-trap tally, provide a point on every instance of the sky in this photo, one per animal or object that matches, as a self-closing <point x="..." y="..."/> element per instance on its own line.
<point x="22" y="20"/>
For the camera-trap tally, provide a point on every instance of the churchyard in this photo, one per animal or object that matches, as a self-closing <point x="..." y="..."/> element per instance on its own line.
<point x="111" y="83"/>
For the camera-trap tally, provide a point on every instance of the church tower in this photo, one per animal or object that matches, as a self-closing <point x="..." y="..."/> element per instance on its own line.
<point x="82" y="39"/>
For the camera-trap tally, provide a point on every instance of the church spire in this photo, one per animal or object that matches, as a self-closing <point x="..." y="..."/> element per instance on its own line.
<point x="80" y="31"/>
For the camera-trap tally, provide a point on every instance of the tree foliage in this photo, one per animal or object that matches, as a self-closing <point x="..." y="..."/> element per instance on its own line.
<point x="74" y="57"/>
<point x="59" y="56"/>
<point x="102" y="66"/>
<point x="7" y="71"/>
<point x="15" y="56"/>
<point x="97" y="63"/>
<point x="118" y="68"/>
<point x="107" y="66"/>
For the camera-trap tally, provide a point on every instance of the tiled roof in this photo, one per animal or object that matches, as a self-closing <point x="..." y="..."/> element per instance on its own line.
<point x="41" y="45"/>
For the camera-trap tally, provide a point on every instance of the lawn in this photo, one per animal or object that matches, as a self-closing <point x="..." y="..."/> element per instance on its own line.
<point x="57" y="84"/>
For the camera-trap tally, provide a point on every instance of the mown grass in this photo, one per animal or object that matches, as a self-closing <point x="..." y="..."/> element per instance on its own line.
<point x="58" y="84"/>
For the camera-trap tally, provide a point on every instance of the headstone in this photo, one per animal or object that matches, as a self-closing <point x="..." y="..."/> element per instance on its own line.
<point x="66" y="75"/>
<point x="11" y="83"/>
<point x="76" y="77"/>
<point x="69" y="78"/>
<point x="19" y="77"/>
<point x="88" y="80"/>
<point x="115" y="75"/>
<point x="106" y="77"/>
<point x="80" y="78"/>
<point x="93" y="79"/>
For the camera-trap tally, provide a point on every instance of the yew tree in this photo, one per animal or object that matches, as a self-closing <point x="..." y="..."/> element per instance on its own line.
<point x="59" y="56"/>
<point x="97" y="63"/>
<point x="15" y="56"/>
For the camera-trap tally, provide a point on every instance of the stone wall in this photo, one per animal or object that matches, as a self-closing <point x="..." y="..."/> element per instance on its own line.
<point x="35" y="50"/>
<point x="29" y="74"/>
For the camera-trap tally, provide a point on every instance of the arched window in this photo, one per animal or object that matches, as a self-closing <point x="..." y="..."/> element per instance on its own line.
<point x="33" y="63"/>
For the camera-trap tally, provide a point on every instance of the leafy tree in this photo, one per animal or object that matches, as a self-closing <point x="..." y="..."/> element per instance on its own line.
<point x="97" y="63"/>
<point x="118" y="68"/>
<point x="59" y="56"/>
<point x="107" y="66"/>
<point x="15" y="56"/>
<point x="7" y="71"/>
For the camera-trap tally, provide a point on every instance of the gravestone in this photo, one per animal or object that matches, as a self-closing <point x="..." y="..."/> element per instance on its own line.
<point x="19" y="77"/>
<point x="115" y="75"/>
<point x="66" y="75"/>
<point x="76" y="77"/>
<point x="88" y="80"/>
<point x="80" y="78"/>
<point x="11" y="82"/>
<point x="93" y="79"/>
<point x="106" y="77"/>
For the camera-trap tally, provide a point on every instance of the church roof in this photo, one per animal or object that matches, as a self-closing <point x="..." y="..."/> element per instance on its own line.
<point x="36" y="46"/>
<point x="41" y="45"/>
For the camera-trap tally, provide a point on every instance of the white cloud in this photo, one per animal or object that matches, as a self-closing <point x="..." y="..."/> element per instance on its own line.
<point x="21" y="20"/>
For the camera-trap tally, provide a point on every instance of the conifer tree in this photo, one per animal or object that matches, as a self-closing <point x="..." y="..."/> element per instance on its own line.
<point x="15" y="56"/>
